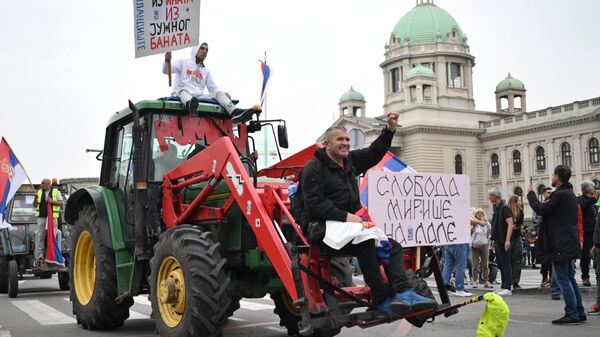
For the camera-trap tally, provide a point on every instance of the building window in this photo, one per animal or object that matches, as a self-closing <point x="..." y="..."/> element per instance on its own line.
<point x="594" y="150"/>
<point x="396" y="79"/>
<point x="413" y="94"/>
<point x="516" y="161"/>
<point x="495" y="165"/>
<point x="458" y="164"/>
<point x="455" y="77"/>
<point x="565" y="154"/>
<point x="540" y="158"/>
<point x="427" y="93"/>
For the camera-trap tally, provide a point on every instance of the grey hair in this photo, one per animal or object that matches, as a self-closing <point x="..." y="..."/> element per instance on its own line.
<point x="46" y="180"/>
<point x="495" y="191"/>
<point x="328" y="132"/>
<point x="587" y="186"/>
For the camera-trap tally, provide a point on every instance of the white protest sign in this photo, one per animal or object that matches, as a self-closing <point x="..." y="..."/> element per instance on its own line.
<point x="165" y="25"/>
<point x="421" y="209"/>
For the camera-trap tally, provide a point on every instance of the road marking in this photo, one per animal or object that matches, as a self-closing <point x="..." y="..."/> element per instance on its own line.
<point x="43" y="313"/>
<point x="4" y="333"/>
<point x="255" y="306"/>
<point x="21" y="281"/>
<point x="142" y="300"/>
<point x="235" y="319"/>
<point x="253" y="325"/>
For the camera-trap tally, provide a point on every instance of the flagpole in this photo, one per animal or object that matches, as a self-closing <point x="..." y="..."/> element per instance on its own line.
<point x="264" y="109"/>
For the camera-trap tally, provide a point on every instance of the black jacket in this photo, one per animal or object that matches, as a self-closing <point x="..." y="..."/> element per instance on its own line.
<point x="589" y="212"/>
<point x="330" y="192"/>
<point x="559" y="224"/>
<point x="499" y="225"/>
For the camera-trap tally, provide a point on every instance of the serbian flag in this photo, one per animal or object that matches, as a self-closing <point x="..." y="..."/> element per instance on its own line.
<point x="12" y="175"/>
<point x="53" y="252"/>
<point x="266" y="71"/>
<point x="389" y="163"/>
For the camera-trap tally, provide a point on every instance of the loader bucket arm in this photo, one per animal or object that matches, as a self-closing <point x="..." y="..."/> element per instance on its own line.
<point x="220" y="161"/>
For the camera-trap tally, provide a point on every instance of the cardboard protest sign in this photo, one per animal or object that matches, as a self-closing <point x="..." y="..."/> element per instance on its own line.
<point x="165" y="25"/>
<point x="421" y="209"/>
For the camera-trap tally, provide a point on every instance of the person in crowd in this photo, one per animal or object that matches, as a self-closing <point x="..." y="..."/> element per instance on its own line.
<point x="329" y="191"/>
<point x="595" y="309"/>
<point x="516" y="244"/>
<point x="455" y="260"/>
<point x="192" y="78"/>
<point x="480" y="247"/>
<point x="587" y="202"/>
<point x="502" y="230"/>
<point x="561" y="241"/>
<point x="532" y="238"/>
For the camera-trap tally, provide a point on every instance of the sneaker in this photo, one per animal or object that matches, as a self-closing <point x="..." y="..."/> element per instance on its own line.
<point x="595" y="310"/>
<point x="556" y="297"/>
<point x="504" y="292"/>
<point x="391" y="306"/>
<point x="516" y="286"/>
<point x="566" y="320"/>
<point x="192" y="105"/>
<point x="462" y="293"/>
<point x="244" y="115"/>
<point x="586" y="282"/>
<point x="415" y="300"/>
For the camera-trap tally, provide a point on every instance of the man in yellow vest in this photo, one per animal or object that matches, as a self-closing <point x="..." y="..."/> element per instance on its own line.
<point x="44" y="196"/>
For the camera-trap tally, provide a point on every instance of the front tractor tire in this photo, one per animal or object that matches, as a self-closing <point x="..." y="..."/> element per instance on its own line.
<point x="187" y="284"/>
<point x="93" y="271"/>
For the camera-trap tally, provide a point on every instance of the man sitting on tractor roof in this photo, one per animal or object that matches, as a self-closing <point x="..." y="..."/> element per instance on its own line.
<point x="330" y="192"/>
<point x="192" y="77"/>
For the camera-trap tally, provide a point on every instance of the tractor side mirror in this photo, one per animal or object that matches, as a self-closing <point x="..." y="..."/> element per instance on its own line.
<point x="282" y="136"/>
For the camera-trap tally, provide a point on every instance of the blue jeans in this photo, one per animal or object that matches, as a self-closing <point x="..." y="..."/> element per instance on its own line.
<point x="565" y="277"/>
<point x="503" y="259"/>
<point x="455" y="258"/>
<point x="554" y="288"/>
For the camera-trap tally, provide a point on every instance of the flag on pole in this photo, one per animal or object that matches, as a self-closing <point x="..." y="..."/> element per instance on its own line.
<point x="266" y="71"/>
<point x="12" y="175"/>
<point x="388" y="163"/>
<point x="53" y="252"/>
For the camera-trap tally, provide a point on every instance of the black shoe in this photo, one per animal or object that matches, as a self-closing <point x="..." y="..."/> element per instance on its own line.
<point x="582" y="317"/>
<point x="534" y="267"/>
<point x="586" y="282"/>
<point x="556" y="297"/>
<point x="242" y="115"/>
<point x="192" y="105"/>
<point x="566" y="320"/>
<point x="516" y="286"/>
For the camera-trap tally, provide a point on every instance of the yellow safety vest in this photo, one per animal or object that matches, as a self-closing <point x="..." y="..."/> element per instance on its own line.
<point x="55" y="208"/>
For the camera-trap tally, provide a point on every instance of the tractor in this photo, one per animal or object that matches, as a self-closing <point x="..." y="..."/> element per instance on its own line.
<point x="183" y="215"/>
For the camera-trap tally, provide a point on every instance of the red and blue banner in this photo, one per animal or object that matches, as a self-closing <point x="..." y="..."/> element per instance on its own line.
<point x="53" y="252"/>
<point x="389" y="163"/>
<point x="12" y="175"/>
<point x="266" y="71"/>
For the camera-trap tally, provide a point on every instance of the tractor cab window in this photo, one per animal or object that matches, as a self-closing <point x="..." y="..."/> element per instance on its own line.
<point x="22" y="210"/>
<point x="264" y="142"/>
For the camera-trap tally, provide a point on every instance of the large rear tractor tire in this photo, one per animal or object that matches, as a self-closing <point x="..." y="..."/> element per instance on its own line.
<point x="13" y="279"/>
<point x="289" y="315"/>
<point x="188" y="283"/>
<point x="93" y="271"/>
<point x="3" y="274"/>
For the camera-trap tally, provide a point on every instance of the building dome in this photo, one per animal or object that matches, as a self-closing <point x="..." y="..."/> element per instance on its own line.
<point x="352" y="95"/>
<point x="419" y="70"/>
<point x="424" y="23"/>
<point x="510" y="83"/>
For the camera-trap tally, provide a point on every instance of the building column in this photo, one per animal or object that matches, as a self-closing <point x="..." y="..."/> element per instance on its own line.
<point x="503" y="170"/>
<point x="498" y="104"/>
<point x="523" y="103"/>
<point x="525" y="163"/>
<point x="577" y="154"/>
<point x="511" y="103"/>
<point x="550" y="162"/>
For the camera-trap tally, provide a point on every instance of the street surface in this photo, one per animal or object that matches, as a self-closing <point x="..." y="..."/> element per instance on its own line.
<point x="43" y="310"/>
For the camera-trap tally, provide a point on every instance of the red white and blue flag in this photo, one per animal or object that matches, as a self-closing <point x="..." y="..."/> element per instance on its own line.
<point x="389" y="163"/>
<point x="12" y="175"/>
<point x="53" y="252"/>
<point x="266" y="71"/>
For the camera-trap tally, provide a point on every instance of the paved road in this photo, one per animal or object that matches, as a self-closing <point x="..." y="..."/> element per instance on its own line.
<point x="42" y="310"/>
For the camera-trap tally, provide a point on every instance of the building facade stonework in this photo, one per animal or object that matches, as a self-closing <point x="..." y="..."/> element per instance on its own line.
<point x="427" y="72"/>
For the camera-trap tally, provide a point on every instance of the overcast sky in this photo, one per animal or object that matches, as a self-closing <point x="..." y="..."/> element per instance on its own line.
<point x="68" y="65"/>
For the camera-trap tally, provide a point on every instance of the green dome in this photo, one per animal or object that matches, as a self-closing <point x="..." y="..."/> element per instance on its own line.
<point x="419" y="70"/>
<point x="352" y="95"/>
<point x="510" y="83"/>
<point x="423" y="23"/>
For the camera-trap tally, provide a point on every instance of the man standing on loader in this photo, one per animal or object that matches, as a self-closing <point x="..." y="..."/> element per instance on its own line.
<point x="330" y="192"/>
<point x="44" y="196"/>
<point x="192" y="77"/>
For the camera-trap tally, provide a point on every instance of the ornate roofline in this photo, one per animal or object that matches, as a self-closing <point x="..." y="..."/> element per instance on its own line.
<point x="439" y="129"/>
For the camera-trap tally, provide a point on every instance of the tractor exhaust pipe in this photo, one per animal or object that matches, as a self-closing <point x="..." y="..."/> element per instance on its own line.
<point x="141" y="188"/>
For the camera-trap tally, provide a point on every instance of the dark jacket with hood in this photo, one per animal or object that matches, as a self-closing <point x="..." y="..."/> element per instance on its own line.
<point x="589" y="212"/>
<point x="559" y="232"/>
<point x="329" y="191"/>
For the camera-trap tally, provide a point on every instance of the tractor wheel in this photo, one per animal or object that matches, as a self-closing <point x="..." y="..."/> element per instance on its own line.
<point x="94" y="274"/>
<point x="187" y="284"/>
<point x="233" y="306"/>
<point x="422" y="288"/>
<point x="13" y="279"/>
<point x="3" y="274"/>
<point x="289" y="315"/>
<point x="63" y="280"/>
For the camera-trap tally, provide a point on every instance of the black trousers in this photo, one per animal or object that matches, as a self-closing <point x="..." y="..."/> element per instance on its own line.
<point x="546" y="270"/>
<point x="586" y="256"/>
<point x="366" y="254"/>
<point x="503" y="259"/>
